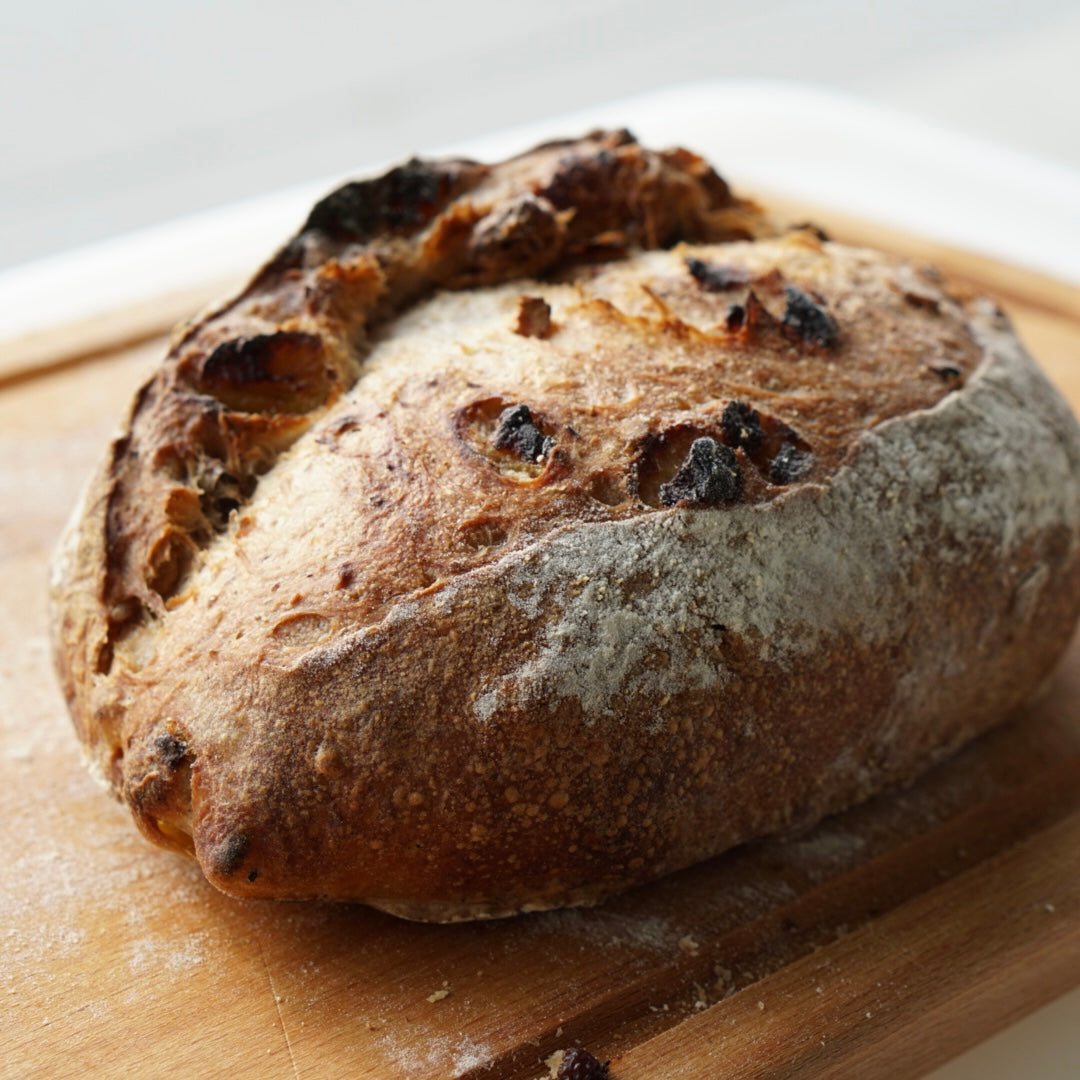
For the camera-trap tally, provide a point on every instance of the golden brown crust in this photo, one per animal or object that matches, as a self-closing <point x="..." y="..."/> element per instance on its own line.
<point x="543" y="588"/>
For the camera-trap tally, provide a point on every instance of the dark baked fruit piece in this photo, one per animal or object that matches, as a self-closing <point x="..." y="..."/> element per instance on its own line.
<point x="524" y="532"/>
<point x="578" y="1064"/>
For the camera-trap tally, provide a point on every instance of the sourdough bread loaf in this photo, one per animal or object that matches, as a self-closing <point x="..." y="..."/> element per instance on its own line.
<point x="525" y="532"/>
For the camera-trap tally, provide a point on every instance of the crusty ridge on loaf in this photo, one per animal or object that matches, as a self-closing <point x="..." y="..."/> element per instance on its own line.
<point x="524" y="532"/>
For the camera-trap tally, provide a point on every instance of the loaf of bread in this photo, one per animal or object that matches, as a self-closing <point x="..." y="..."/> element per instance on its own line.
<point x="525" y="532"/>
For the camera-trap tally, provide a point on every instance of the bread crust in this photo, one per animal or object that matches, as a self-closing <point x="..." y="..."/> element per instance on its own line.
<point x="477" y="559"/>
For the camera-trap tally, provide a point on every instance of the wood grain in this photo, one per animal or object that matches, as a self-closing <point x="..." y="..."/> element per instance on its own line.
<point x="943" y="911"/>
<point x="890" y="997"/>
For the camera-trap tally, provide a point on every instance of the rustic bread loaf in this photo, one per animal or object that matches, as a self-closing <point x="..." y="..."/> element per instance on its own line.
<point x="523" y="533"/>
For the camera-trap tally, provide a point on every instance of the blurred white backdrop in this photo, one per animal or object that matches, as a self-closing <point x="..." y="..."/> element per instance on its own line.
<point x="119" y="114"/>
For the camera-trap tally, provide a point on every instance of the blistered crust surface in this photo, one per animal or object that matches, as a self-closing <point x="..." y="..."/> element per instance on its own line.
<point x="563" y="583"/>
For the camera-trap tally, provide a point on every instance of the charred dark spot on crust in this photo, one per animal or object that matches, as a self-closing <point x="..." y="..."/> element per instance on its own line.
<point x="812" y="324"/>
<point x="590" y="189"/>
<point x="614" y="196"/>
<point x="735" y="317"/>
<point x="518" y="434"/>
<point x="221" y="510"/>
<point x="228" y="856"/>
<point x="790" y="464"/>
<point x="741" y="425"/>
<point x="579" y="1064"/>
<point x="714" y="278"/>
<point x="171" y="751"/>
<point x="518" y="240"/>
<point x="579" y="180"/>
<point x="400" y="202"/>
<point x="284" y="372"/>
<point x="253" y="875"/>
<point x="709" y="476"/>
<point x="533" y="317"/>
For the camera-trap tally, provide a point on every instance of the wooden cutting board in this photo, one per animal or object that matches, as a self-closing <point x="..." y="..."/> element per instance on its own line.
<point x="880" y="944"/>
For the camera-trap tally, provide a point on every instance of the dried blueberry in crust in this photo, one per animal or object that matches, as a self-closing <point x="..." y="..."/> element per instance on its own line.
<point x="709" y="476"/>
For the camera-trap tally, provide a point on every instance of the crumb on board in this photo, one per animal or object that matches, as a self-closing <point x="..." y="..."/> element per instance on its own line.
<point x="688" y="945"/>
<point x="553" y="1061"/>
<point x="574" y="1063"/>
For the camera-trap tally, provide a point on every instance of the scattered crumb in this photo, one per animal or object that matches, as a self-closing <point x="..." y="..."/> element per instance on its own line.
<point x="761" y="1005"/>
<point x="553" y="1061"/>
<point x="1050" y="908"/>
<point x="438" y="995"/>
<point x="533" y="317"/>
<point x="689" y="946"/>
